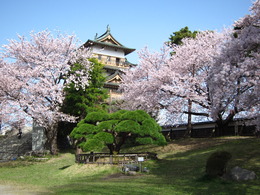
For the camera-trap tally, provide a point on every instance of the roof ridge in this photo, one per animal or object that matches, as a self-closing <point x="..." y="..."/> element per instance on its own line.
<point x="104" y="34"/>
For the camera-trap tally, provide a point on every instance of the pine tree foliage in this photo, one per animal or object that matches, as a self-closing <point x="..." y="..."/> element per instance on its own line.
<point x="100" y="129"/>
<point x="176" y="37"/>
<point x="80" y="100"/>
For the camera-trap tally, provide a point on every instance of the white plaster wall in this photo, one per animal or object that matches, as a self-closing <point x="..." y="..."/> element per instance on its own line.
<point x="109" y="51"/>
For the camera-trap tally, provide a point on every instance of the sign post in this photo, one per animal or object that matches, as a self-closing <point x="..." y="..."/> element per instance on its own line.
<point x="140" y="160"/>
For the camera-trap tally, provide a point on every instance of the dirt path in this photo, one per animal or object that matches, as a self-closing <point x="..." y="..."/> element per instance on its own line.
<point x="9" y="190"/>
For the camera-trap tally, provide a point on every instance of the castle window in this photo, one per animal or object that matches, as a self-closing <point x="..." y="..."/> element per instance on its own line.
<point x="99" y="57"/>
<point x="108" y="58"/>
<point x="117" y="61"/>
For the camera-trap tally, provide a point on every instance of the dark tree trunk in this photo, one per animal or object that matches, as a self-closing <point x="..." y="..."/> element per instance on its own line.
<point x="0" y="123"/>
<point x="51" y="143"/>
<point x="222" y="124"/>
<point x="113" y="149"/>
<point x="220" y="128"/>
<point x="64" y="130"/>
<point x="189" y="125"/>
<point x="116" y="146"/>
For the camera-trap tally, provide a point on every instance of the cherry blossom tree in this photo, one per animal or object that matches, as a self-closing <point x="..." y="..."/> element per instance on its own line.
<point x="35" y="73"/>
<point x="141" y="90"/>
<point x="10" y="112"/>
<point x="176" y="82"/>
<point x="234" y="79"/>
<point x="214" y="75"/>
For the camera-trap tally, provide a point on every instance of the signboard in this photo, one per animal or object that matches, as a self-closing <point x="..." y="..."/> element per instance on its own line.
<point x="140" y="159"/>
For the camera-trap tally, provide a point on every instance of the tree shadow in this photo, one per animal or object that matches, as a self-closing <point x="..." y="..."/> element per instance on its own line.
<point x="176" y="173"/>
<point x="65" y="167"/>
<point x="186" y="171"/>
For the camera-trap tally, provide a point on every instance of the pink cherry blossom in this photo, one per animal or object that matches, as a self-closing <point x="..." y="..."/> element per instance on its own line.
<point x="33" y="73"/>
<point x="164" y="81"/>
<point x="234" y="79"/>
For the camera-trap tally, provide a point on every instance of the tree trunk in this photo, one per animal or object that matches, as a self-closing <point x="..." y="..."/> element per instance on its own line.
<point x="116" y="146"/>
<point x="78" y="150"/>
<point x="223" y="124"/>
<point x="51" y="134"/>
<point x="220" y="128"/>
<point x="189" y="125"/>
<point x="113" y="149"/>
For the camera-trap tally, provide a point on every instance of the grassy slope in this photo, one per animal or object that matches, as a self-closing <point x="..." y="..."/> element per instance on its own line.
<point x="179" y="170"/>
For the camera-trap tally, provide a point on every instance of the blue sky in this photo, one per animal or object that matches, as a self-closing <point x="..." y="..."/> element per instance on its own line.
<point x="134" y="23"/>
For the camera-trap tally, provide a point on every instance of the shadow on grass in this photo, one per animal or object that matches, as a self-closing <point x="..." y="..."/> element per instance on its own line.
<point x="180" y="173"/>
<point x="70" y="150"/>
<point x="186" y="170"/>
<point x="65" y="167"/>
<point x="91" y="188"/>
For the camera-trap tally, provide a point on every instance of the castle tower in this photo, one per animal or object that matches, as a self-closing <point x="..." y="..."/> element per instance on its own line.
<point x="112" y="54"/>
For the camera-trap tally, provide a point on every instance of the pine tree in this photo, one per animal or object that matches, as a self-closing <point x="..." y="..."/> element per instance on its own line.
<point x="79" y="101"/>
<point x="100" y="129"/>
<point x="177" y="36"/>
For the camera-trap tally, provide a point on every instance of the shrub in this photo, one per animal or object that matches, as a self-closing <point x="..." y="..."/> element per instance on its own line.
<point x="113" y="130"/>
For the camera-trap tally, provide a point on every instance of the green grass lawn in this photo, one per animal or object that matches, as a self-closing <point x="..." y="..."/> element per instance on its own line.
<point x="179" y="170"/>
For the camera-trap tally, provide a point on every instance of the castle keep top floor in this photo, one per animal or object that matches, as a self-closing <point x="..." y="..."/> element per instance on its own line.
<point x="109" y="51"/>
<point x="112" y="55"/>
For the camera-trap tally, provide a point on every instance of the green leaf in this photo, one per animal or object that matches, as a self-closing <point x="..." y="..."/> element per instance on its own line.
<point x="107" y="138"/>
<point x="92" y="145"/>
<point x="100" y="128"/>
<point x="148" y="127"/>
<point x="128" y="126"/>
<point x="132" y="115"/>
<point x="86" y="128"/>
<point x="144" y="140"/>
<point x="95" y="117"/>
<point x="142" y="115"/>
<point x="107" y="125"/>
<point x="161" y="141"/>
<point x="117" y="115"/>
<point x="80" y="100"/>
